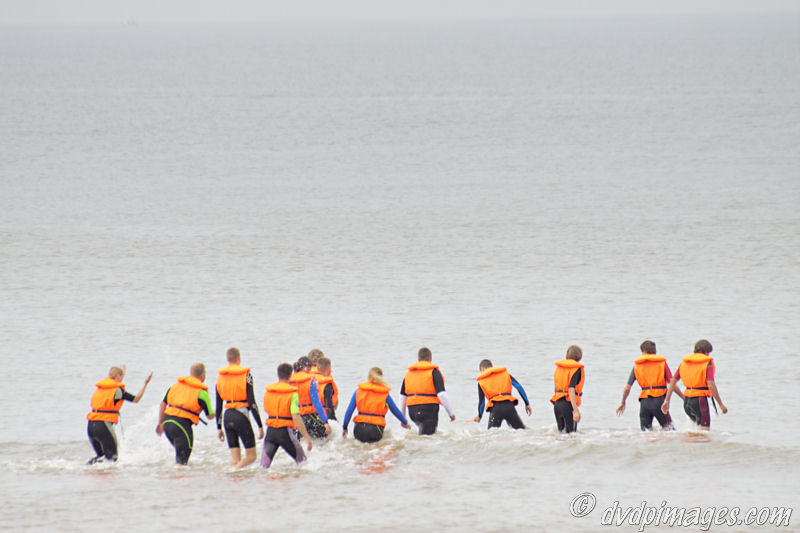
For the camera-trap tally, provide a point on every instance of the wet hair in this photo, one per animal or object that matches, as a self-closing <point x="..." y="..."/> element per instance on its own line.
<point x="114" y="372"/>
<point x="324" y="363"/>
<point x="284" y="371"/>
<point x="376" y="376"/>
<point x="315" y="355"/>
<point x="648" y="347"/>
<point x="703" y="346"/>
<point x="574" y="352"/>
<point x="234" y="355"/>
<point x="424" y="354"/>
<point x="303" y="362"/>
<point x="197" y="370"/>
<point x="485" y="364"/>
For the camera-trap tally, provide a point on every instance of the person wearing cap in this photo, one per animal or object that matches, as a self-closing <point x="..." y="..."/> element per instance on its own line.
<point x="311" y="409"/>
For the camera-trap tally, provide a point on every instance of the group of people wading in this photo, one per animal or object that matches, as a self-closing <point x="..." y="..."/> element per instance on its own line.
<point x="305" y="398"/>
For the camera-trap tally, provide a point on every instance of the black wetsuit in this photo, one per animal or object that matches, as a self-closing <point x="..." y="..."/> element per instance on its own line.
<point x="563" y="407"/>
<point x="327" y="401"/>
<point x="281" y="438"/>
<point x="503" y="410"/>
<point x="101" y="433"/>
<point x="426" y="415"/>
<point x="697" y="409"/>
<point x="650" y="407"/>
<point x="237" y="425"/>
<point x="180" y="434"/>
<point x="366" y="432"/>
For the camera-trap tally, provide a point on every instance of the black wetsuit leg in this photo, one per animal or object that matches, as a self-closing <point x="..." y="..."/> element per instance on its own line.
<point x="505" y="410"/>
<point x="179" y="433"/>
<point x="650" y="407"/>
<point x="697" y="409"/>
<point x="563" y="411"/>
<point x="365" y="432"/>
<point x="103" y="440"/>
<point x="314" y="425"/>
<point x="281" y="438"/>
<point x="237" y="427"/>
<point x="425" y="416"/>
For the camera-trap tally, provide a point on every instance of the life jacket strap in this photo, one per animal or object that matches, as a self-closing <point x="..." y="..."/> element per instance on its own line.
<point x="235" y="401"/>
<point x="655" y="387"/>
<point x="280" y="418"/>
<point x="196" y="413"/>
<point x="576" y="392"/>
<point x="422" y="394"/>
<point x="105" y="411"/>
<point x="371" y="414"/>
<point x="696" y="388"/>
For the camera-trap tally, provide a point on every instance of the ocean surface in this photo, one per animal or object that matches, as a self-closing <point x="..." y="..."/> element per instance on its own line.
<point x="490" y="189"/>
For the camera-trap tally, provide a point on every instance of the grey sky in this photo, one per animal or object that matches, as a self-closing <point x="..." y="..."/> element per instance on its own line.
<point x="114" y="11"/>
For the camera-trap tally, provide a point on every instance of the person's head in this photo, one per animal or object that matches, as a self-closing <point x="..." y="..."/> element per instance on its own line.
<point x="376" y="376"/>
<point x="485" y="364"/>
<point x="315" y="355"/>
<point x="648" y="347"/>
<point x="284" y="371"/>
<point x="116" y="373"/>
<point x="574" y="352"/>
<point x="198" y="370"/>
<point x="703" y="346"/>
<point x="424" y="354"/>
<point x="234" y="356"/>
<point x="324" y="366"/>
<point x="303" y="364"/>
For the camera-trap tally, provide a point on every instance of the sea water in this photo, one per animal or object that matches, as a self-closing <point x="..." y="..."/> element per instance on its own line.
<point x="490" y="189"/>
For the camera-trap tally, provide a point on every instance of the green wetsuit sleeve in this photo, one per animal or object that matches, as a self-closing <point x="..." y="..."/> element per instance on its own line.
<point x="294" y="407"/>
<point x="205" y="402"/>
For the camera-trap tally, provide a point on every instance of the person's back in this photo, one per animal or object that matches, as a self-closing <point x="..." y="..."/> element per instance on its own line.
<point x="697" y="373"/>
<point x="423" y="391"/>
<point x="311" y="409"/>
<point x="235" y="393"/>
<point x="180" y="409"/>
<point x="283" y="417"/>
<point x="494" y="388"/>
<point x="371" y="400"/>
<point x="568" y="380"/>
<point x="652" y="373"/>
<point x="106" y="402"/>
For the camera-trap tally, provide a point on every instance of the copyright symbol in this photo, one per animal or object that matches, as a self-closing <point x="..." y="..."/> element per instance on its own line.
<point x="582" y="504"/>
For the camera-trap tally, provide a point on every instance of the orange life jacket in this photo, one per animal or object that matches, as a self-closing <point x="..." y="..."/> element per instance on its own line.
<point x="182" y="399"/>
<point x="104" y="408"/>
<point x="232" y="385"/>
<point x="650" y="374"/>
<point x="302" y="380"/>
<point x="693" y="374"/>
<point x="565" y="369"/>
<point x="278" y="403"/>
<point x="321" y="382"/>
<point x="495" y="382"/>
<point x="419" y="383"/>
<point x="371" y="403"/>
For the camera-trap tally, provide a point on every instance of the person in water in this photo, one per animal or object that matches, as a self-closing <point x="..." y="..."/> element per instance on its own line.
<point x="372" y="400"/>
<point x="423" y="391"/>
<point x="180" y="410"/>
<point x="282" y="411"/>
<point x="652" y="373"/>
<point x="327" y="389"/>
<point x="314" y="356"/>
<point x="235" y="389"/>
<point x="568" y="383"/>
<point x="106" y="403"/>
<point x="697" y="373"/>
<point x="311" y="409"/>
<point x="494" y="390"/>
